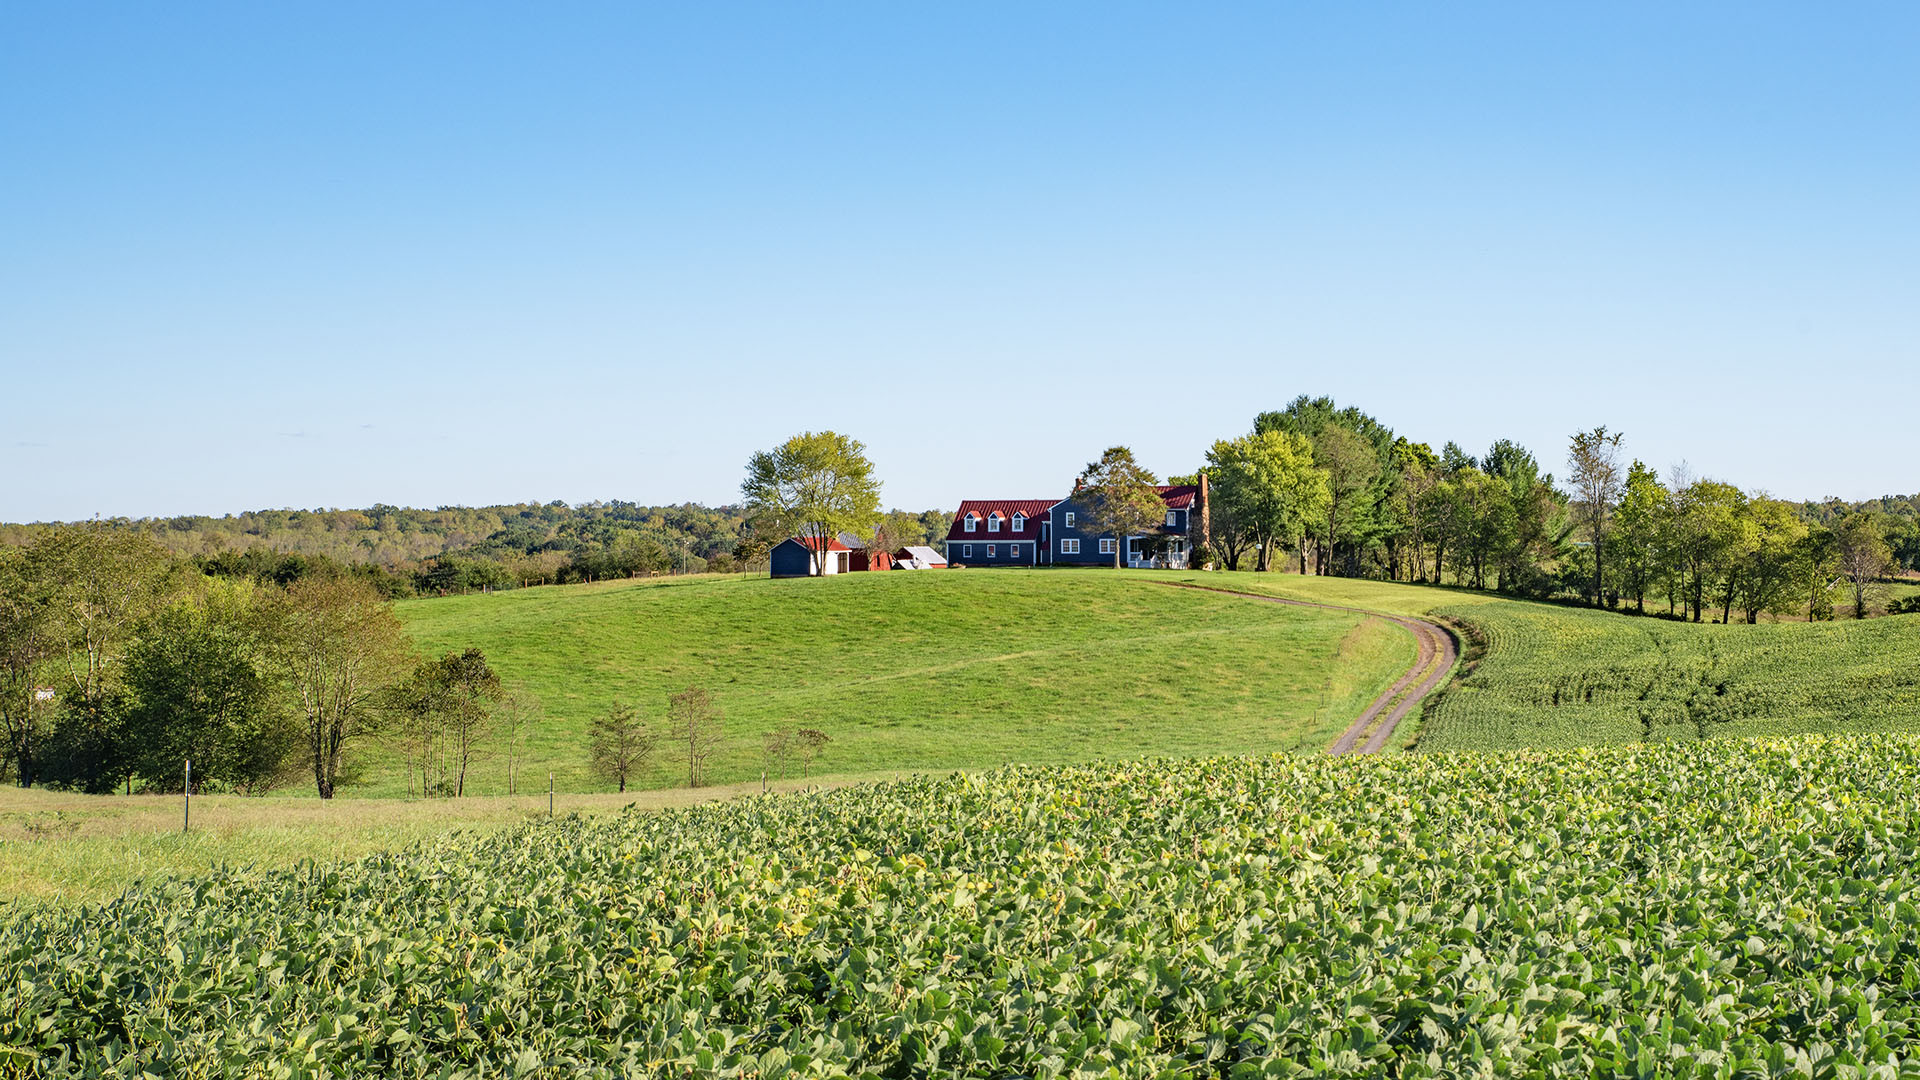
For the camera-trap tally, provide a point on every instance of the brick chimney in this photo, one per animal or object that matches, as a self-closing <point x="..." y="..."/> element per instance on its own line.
<point x="1204" y="505"/>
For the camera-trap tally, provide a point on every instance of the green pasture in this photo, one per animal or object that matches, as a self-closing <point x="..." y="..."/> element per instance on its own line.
<point x="917" y="670"/>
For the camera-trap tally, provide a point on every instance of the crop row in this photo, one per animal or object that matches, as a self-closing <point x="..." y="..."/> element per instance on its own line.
<point x="1565" y="677"/>
<point x="1711" y="909"/>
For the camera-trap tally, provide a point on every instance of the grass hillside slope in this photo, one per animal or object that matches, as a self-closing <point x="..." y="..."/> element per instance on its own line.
<point x="1728" y="908"/>
<point x="931" y="670"/>
<point x="1551" y="675"/>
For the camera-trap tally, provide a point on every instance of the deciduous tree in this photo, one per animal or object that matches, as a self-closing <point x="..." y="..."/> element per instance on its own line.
<point x="695" y="724"/>
<point x="1593" y="461"/>
<point x="196" y="690"/>
<point x="1640" y="522"/>
<point x="449" y="705"/>
<point x="29" y="649"/>
<point x="1860" y="541"/>
<point x="619" y="744"/>
<point x="1270" y="485"/>
<point x="340" y="650"/>
<point x="1115" y="494"/>
<point x="1765" y="577"/>
<point x="813" y="486"/>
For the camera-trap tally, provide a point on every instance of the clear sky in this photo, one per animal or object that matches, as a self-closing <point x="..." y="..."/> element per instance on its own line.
<point x="332" y="254"/>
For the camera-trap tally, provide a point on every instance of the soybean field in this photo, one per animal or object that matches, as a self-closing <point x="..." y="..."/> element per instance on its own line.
<point x="1555" y="676"/>
<point x="1734" y="907"/>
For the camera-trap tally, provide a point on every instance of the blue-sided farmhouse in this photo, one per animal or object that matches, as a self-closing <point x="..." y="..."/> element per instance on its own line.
<point x="1016" y="532"/>
<point x="1044" y="532"/>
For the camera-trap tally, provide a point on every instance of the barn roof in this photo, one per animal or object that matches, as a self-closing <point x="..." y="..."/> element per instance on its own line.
<point x="812" y="543"/>
<point x="1034" y="509"/>
<point x="921" y="553"/>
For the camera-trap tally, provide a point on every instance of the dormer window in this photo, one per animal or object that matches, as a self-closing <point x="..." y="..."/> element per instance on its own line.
<point x="1173" y="518"/>
<point x="993" y="523"/>
<point x="1019" y="522"/>
<point x="971" y="520"/>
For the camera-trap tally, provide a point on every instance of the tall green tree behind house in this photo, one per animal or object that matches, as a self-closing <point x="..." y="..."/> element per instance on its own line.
<point x="1268" y="486"/>
<point x="814" y="485"/>
<point x="1117" y="495"/>
<point x="1357" y="452"/>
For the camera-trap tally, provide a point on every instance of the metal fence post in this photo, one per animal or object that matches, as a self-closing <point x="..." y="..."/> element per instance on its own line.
<point x="186" y="800"/>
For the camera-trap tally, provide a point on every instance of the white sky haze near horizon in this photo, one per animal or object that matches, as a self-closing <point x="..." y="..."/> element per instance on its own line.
<point x="331" y="255"/>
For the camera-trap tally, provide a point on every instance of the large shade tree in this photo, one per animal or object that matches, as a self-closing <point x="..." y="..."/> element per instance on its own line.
<point x="814" y="486"/>
<point x="196" y="691"/>
<point x="1269" y="481"/>
<point x="1117" y="495"/>
<point x="1357" y="453"/>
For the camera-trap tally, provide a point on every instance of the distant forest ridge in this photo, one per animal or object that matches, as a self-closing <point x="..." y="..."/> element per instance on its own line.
<point x="399" y="538"/>
<point x="460" y="547"/>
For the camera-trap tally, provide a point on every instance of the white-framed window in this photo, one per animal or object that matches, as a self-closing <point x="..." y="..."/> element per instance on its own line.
<point x="1106" y="545"/>
<point x="1173" y="517"/>
<point x="1069" y="547"/>
<point x="1069" y="519"/>
<point x="990" y="551"/>
<point x="966" y="551"/>
<point x="1133" y="545"/>
<point x="1177" y="546"/>
<point x="971" y="520"/>
<point x="1019" y="522"/>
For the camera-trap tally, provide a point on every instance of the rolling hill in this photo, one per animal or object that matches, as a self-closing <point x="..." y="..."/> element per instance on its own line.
<point x="955" y="669"/>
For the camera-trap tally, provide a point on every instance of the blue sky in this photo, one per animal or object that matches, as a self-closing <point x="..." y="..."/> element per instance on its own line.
<point x="305" y="254"/>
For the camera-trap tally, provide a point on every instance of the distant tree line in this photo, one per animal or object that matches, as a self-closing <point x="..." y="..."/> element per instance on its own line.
<point x="407" y="552"/>
<point x="1331" y="490"/>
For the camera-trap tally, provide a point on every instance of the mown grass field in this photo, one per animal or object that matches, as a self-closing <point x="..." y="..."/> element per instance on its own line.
<point x="64" y="849"/>
<point x="1723" y="908"/>
<point x="1563" y="676"/>
<point x="933" y="670"/>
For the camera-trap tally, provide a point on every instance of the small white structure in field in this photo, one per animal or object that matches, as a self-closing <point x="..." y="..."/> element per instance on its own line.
<point x="918" y="557"/>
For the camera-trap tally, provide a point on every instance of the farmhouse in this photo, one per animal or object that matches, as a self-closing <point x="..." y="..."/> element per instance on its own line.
<point x="998" y="532"/>
<point x="1038" y="532"/>
<point x="794" y="557"/>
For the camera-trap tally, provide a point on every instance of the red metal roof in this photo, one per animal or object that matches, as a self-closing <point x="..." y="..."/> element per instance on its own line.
<point x="812" y="543"/>
<point x="1178" y="496"/>
<point x="1033" y="509"/>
